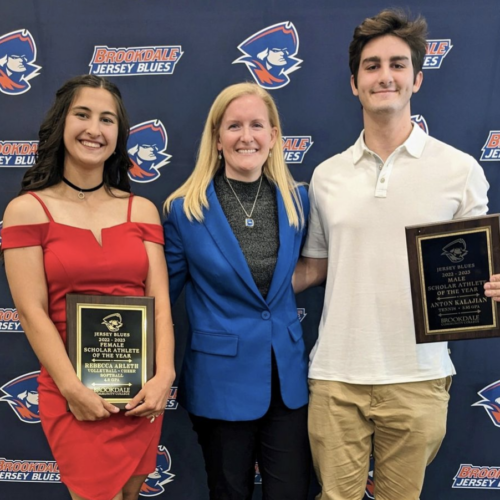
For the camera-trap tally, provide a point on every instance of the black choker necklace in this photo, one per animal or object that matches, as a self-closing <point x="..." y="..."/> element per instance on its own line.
<point x="81" y="190"/>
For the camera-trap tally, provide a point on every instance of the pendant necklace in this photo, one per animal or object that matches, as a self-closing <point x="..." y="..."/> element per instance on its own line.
<point x="81" y="191"/>
<point x="249" y="222"/>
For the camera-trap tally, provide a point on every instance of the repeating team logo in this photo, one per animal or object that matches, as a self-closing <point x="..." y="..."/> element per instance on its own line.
<point x="370" y="483"/>
<point x="301" y="313"/>
<point x="477" y="477"/>
<point x="129" y="61"/>
<point x="420" y="121"/>
<point x="270" y="55"/>
<point x="258" y="477"/>
<point x="491" y="401"/>
<point x="17" y="57"/>
<point x="29" y="471"/>
<point x="146" y="146"/>
<point x="295" y="147"/>
<point x="21" y="394"/>
<point x="153" y="486"/>
<point x="436" y="51"/>
<point x="491" y="148"/>
<point x="18" y="153"/>
<point x="9" y="317"/>
<point x="172" y="402"/>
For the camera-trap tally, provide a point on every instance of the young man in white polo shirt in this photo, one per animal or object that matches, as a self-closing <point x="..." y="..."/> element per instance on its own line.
<point x="372" y="387"/>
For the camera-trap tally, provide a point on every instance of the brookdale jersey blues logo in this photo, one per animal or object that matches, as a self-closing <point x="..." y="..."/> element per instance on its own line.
<point x="420" y="121"/>
<point x="436" y="51"/>
<point x="172" y="402"/>
<point x="477" y="477"/>
<point x="127" y="61"/>
<point x="18" y="153"/>
<point x="269" y="55"/>
<point x="295" y="147"/>
<point x="17" y="55"/>
<point x="29" y="471"/>
<point x="146" y="145"/>
<point x="491" y="148"/>
<point x="22" y="395"/>
<point x="491" y="401"/>
<point x="9" y="317"/>
<point x="153" y="486"/>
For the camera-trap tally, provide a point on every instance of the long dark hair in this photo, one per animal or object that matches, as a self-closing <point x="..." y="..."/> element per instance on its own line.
<point x="49" y="166"/>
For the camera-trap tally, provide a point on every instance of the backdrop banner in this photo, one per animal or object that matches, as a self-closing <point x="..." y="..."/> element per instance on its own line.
<point x="170" y="59"/>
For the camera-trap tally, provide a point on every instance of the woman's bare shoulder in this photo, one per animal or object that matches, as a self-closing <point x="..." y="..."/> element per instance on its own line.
<point x="24" y="209"/>
<point x="144" y="210"/>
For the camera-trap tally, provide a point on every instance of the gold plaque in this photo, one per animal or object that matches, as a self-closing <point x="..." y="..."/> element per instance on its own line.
<point x="110" y="341"/>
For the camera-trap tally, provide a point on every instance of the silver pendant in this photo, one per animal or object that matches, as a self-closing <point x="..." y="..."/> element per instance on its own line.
<point x="249" y="222"/>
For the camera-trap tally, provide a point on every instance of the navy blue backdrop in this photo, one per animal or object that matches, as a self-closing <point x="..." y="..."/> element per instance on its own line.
<point x="170" y="59"/>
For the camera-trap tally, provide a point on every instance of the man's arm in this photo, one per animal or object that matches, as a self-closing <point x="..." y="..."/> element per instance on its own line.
<point x="310" y="272"/>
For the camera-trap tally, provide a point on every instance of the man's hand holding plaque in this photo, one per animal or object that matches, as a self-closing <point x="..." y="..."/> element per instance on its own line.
<point x="492" y="288"/>
<point x="454" y="269"/>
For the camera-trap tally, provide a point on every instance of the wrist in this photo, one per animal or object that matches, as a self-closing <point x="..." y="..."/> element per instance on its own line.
<point x="70" y="388"/>
<point x="166" y="373"/>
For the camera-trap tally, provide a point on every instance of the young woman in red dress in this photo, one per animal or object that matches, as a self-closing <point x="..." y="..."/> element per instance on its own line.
<point x="76" y="228"/>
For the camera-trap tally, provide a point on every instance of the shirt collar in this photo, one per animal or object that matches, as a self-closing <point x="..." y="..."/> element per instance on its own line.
<point x="414" y="145"/>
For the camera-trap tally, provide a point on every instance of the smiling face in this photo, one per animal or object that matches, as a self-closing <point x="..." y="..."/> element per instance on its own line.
<point x="246" y="137"/>
<point x="90" y="129"/>
<point x="385" y="80"/>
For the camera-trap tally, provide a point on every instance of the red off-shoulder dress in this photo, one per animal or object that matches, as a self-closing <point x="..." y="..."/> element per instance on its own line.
<point x="95" y="459"/>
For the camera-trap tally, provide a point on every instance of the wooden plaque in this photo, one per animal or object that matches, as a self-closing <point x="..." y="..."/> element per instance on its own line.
<point x="110" y="341"/>
<point x="449" y="264"/>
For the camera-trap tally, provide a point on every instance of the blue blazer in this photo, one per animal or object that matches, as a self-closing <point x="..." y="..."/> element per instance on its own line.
<point x="227" y="366"/>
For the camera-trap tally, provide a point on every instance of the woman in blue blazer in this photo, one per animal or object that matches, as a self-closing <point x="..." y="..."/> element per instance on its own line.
<point x="233" y="236"/>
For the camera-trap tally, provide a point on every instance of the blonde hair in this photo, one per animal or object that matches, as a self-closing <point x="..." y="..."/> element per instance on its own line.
<point x="194" y="190"/>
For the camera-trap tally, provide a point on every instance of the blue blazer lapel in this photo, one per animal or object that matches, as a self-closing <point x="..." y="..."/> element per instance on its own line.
<point x="286" y="250"/>
<point x="221" y="232"/>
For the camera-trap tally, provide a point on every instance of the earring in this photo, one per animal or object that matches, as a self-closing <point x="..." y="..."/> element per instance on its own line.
<point x="270" y="154"/>
<point x="220" y="156"/>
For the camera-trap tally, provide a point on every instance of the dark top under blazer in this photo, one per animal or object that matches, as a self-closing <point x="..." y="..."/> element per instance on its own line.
<point x="227" y="366"/>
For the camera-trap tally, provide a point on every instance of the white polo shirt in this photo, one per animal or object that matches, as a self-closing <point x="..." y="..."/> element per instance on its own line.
<point x="359" y="209"/>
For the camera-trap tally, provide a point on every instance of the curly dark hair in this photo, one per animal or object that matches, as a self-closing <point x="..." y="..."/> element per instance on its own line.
<point x="390" y="22"/>
<point x="49" y="166"/>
